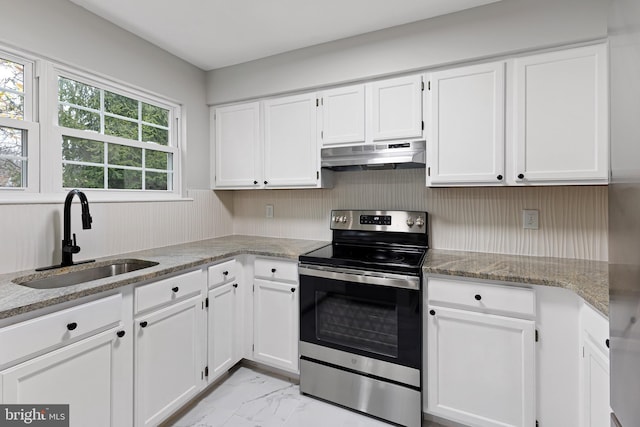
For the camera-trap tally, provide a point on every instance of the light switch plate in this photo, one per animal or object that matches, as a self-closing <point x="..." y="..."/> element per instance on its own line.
<point x="269" y="211"/>
<point x="530" y="219"/>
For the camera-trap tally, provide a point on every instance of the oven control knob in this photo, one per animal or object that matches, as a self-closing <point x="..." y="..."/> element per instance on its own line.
<point x="334" y="218"/>
<point x="343" y="220"/>
<point x="410" y="222"/>
<point x="419" y="221"/>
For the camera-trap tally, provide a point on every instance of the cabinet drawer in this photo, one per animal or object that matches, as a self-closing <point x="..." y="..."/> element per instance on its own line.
<point x="165" y="291"/>
<point x="31" y="336"/>
<point x="222" y="273"/>
<point x="481" y="296"/>
<point x="276" y="269"/>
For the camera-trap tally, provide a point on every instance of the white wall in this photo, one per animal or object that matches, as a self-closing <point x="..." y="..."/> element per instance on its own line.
<point x="499" y="28"/>
<point x="30" y="234"/>
<point x="60" y="30"/>
<point x="573" y="219"/>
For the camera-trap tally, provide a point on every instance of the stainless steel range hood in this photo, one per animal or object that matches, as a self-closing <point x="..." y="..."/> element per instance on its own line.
<point x="393" y="155"/>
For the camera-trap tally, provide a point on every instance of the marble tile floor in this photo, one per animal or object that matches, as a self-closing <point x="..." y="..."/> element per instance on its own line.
<point x="254" y="398"/>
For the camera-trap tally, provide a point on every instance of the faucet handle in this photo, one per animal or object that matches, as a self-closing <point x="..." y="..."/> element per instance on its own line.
<point x="70" y="247"/>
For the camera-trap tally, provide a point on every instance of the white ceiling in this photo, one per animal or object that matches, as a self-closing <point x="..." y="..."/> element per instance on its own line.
<point x="216" y="33"/>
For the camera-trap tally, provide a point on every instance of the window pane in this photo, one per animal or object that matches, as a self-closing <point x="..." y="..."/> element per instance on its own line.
<point x="12" y="142"/>
<point x="121" y="128"/>
<point x="155" y="115"/>
<point x="156" y="159"/>
<point x="78" y="93"/>
<point x="11" y="105"/>
<point x="78" y="119"/>
<point x="157" y="180"/>
<point x="82" y="150"/>
<point x="11" y="75"/>
<point x="122" y="155"/>
<point x="80" y="176"/>
<point x="125" y="179"/>
<point x="120" y="105"/>
<point x="151" y="134"/>
<point x="11" y="173"/>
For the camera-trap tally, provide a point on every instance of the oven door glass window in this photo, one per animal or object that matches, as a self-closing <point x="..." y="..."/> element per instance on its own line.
<point x="380" y="322"/>
<point x="368" y="325"/>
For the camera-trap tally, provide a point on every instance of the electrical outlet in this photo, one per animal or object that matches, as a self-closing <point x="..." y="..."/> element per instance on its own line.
<point x="269" y="211"/>
<point x="530" y="219"/>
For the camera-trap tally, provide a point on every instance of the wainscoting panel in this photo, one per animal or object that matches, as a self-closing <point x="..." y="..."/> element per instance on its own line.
<point x="32" y="233"/>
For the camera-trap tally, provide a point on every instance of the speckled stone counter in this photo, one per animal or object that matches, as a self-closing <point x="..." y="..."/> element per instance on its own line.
<point x="16" y="299"/>
<point x="588" y="279"/>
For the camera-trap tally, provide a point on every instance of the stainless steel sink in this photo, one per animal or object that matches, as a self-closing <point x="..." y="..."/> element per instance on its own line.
<point x="69" y="278"/>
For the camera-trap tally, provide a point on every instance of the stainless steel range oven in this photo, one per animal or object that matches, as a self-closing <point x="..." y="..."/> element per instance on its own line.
<point x="360" y="314"/>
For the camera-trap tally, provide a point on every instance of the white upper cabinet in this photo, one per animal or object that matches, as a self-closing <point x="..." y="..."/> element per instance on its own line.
<point x="343" y="115"/>
<point x="237" y="146"/>
<point x="465" y="122"/>
<point x="290" y="147"/>
<point x="561" y="117"/>
<point x="396" y="108"/>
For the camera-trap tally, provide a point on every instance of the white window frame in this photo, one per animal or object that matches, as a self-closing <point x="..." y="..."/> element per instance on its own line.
<point x="53" y="134"/>
<point x="28" y="124"/>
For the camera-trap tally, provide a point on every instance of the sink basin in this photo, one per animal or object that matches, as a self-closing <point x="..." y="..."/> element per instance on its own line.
<point x="109" y="269"/>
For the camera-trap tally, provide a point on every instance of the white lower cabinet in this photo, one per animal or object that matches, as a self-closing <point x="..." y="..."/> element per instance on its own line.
<point x="275" y="310"/>
<point x="168" y="363"/>
<point x="222" y="332"/>
<point x="594" y="368"/>
<point x="80" y="356"/>
<point x="276" y="324"/>
<point x="87" y="375"/>
<point x="225" y="323"/>
<point x="480" y="366"/>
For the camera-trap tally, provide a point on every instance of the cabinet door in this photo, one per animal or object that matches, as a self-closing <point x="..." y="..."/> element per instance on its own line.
<point x="237" y="146"/>
<point x="222" y="331"/>
<point x="397" y="108"/>
<point x="466" y="125"/>
<point x="86" y="375"/>
<point x="169" y="367"/>
<point x="480" y="368"/>
<point x="276" y="324"/>
<point x="594" y="368"/>
<point x="291" y="151"/>
<point x="595" y="377"/>
<point x="343" y="115"/>
<point x="561" y="118"/>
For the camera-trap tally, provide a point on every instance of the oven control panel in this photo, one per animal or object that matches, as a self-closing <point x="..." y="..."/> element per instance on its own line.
<point x="397" y="221"/>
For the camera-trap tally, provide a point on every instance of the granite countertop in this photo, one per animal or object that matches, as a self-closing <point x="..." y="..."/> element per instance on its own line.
<point x="588" y="279"/>
<point x="16" y="299"/>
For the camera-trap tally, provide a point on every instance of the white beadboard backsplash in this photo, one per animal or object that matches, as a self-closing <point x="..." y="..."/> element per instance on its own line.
<point x="572" y="219"/>
<point x="32" y="233"/>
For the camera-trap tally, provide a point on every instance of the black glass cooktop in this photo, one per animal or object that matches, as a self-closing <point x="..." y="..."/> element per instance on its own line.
<point x="385" y="259"/>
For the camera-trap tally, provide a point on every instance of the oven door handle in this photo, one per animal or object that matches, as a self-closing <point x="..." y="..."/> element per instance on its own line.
<point x="359" y="276"/>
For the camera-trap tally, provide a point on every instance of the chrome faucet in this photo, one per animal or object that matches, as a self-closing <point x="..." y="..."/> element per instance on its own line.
<point x="69" y="246"/>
